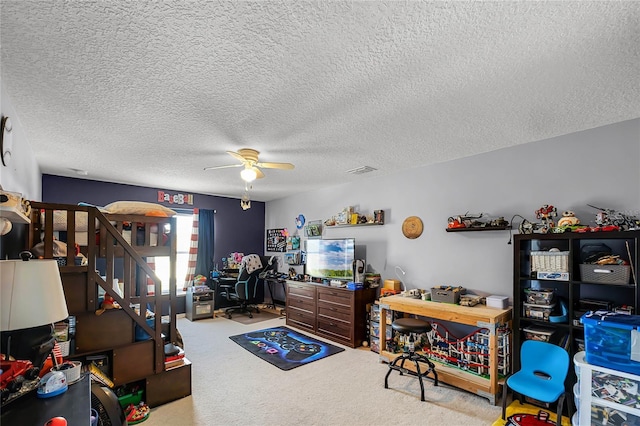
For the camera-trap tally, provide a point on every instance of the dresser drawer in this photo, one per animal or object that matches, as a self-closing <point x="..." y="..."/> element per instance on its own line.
<point x="301" y="290"/>
<point x="301" y="318"/>
<point x="335" y="330"/>
<point x="332" y="311"/>
<point x="341" y="297"/>
<point x="301" y="302"/>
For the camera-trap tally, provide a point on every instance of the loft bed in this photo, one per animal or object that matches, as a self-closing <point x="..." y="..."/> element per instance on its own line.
<point x="113" y="246"/>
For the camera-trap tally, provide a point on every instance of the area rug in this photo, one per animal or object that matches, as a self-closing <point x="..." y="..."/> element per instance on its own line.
<point x="529" y="415"/>
<point x="285" y="348"/>
<point x="244" y="318"/>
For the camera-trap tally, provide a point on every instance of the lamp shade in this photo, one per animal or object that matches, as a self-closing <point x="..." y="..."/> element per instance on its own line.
<point x="248" y="174"/>
<point x="31" y="294"/>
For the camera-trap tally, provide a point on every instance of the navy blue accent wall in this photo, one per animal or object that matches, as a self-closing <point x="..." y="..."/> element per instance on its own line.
<point x="235" y="229"/>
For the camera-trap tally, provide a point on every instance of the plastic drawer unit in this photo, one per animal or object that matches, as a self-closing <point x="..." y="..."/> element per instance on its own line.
<point x="604" y="396"/>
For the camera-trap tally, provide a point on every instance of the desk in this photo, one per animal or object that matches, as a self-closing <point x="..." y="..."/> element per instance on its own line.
<point x="479" y="316"/>
<point x="74" y="405"/>
<point x="272" y="282"/>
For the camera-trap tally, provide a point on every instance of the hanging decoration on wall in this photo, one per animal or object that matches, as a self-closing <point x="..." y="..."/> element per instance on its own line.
<point x="412" y="227"/>
<point x="6" y="140"/>
<point x="300" y="221"/>
<point x="277" y="239"/>
<point x="165" y="197"/>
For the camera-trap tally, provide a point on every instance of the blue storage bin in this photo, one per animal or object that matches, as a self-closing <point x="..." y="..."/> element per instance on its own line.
<point x="612" y="340"/>
<point x="141" y="334"/>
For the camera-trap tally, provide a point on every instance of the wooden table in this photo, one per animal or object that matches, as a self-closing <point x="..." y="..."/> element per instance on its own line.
<point x="479" y="315"/>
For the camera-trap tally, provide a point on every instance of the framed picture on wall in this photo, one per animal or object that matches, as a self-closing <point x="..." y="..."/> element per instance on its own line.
<point x="277" y="239"/>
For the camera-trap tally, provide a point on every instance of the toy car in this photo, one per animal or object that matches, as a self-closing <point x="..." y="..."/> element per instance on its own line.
<point x="14" y="373"/>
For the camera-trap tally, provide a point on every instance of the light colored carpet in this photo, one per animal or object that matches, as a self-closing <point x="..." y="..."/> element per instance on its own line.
<point x="231" y="386"/>
<point x="244" y="318"/>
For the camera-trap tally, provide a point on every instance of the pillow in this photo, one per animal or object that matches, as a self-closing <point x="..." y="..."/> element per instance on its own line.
<point x="138" y="207"/>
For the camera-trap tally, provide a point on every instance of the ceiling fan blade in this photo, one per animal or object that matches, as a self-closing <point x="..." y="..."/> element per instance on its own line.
<point x="237" y="156"/>
<point x="259" y="174"/>
<point x="282" y="166"/>
<point x="223" y="167"/>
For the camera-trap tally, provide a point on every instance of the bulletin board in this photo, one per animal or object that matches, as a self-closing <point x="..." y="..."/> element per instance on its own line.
<point x="277" y="239"/>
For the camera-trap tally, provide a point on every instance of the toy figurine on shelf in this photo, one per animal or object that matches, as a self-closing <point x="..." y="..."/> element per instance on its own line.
<point x="568" y="219"/>
<point x="546" y="213"/>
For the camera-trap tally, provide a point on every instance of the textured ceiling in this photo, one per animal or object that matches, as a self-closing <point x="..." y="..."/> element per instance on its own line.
<point x="150" y="93"/>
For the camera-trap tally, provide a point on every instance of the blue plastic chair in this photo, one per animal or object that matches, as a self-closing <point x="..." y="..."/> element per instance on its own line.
<point x="543" y="370"/>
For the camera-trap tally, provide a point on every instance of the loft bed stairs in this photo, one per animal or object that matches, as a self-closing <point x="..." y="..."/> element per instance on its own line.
<point x="116" y="248"/>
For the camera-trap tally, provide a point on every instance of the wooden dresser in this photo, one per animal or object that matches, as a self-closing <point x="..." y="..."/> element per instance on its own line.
<point x="337" y="314"/>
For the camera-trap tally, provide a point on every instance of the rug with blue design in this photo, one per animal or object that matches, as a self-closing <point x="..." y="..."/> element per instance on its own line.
<point x="285" y="348"/>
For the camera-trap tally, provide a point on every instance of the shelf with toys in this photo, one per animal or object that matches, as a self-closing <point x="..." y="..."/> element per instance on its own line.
<point x="563" y="270"/>
<point x="350" y="217"/>
<point x="470" y="222"/>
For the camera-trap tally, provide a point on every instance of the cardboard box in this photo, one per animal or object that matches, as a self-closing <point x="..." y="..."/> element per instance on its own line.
<point x="392" y="284"/>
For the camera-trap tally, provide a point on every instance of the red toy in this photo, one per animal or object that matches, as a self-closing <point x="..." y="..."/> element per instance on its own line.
<point x="14" y="374"/>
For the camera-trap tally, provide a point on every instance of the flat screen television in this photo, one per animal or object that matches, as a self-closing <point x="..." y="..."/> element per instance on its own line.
<point x="331" y="259"/>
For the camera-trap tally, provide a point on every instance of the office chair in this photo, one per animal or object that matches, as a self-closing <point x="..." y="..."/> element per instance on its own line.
<point x="543" y="370"/>
<point x="243" y="292"/>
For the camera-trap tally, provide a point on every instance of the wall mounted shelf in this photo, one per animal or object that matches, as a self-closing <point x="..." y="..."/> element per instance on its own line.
<point x="484" y="228"/>
<point x="348" y="225"/>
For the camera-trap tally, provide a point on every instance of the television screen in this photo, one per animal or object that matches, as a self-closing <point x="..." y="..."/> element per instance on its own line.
<point x="331" y="259"/>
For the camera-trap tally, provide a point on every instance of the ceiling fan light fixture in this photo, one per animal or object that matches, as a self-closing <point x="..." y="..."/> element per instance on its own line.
<point x="248" y="174"/>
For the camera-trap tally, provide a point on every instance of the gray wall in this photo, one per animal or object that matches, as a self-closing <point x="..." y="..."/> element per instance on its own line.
<point x="22" y="174"/>
<point x="598" y="166"/>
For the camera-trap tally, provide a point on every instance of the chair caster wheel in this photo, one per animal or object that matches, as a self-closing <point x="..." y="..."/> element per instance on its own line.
<point x="228" y="316"/>
<point x="250" y="316"/>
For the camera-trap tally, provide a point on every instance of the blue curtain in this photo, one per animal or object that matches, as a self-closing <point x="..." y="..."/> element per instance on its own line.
<point x="204" y="261"/>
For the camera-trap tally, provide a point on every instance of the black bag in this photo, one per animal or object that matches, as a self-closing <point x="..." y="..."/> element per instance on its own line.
<point x="592" y="252"/>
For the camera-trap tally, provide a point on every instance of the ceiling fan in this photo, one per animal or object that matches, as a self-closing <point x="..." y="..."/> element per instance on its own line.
<point x="249" y="160"/>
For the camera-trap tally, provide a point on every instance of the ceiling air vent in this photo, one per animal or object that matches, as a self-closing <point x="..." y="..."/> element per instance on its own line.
<point x="361" y="170"/>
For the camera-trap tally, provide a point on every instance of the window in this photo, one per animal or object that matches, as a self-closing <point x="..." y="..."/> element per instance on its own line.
<point x="184" y="222"/>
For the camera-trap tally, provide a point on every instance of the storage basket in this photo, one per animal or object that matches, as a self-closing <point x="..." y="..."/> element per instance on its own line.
<point x="130" y="398"/>
<point x="543" y="296"/>
<point x="71" y="370"/>
<point x="607" y="274"/>
<point x="541" y="334"/>
<point x="611" y="340"/>
<point x="539" y="312"/>
<point x="446" y="294"/>
<point x="550" y="261"/>
<point x="64" y="347"/>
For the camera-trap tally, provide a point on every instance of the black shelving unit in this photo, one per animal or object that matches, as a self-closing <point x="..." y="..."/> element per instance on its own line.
<point x="574" y="288"/>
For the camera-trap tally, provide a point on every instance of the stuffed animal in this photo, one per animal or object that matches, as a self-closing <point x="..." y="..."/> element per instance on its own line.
<point x="107" y="303"/>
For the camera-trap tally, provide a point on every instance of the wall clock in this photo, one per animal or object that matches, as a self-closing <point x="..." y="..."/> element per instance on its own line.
<point x="412" y="227"/>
